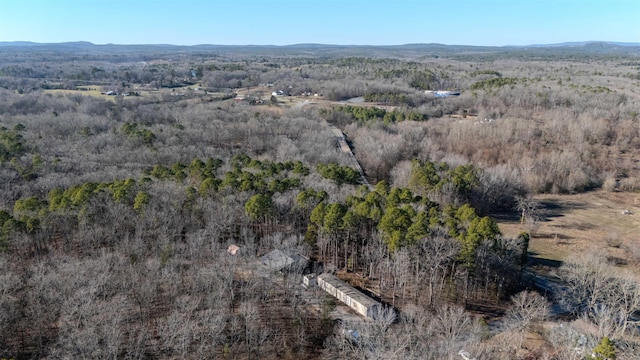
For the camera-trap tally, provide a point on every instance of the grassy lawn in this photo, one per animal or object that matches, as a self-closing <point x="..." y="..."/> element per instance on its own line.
<point x="78" y="92"/>
<point x="574" y="224"/>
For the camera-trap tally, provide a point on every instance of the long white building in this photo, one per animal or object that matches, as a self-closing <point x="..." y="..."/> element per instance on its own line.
<point x="355" y="299"/>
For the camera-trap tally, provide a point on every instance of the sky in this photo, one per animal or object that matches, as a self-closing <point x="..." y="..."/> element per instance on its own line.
<point x="345" y="22"/>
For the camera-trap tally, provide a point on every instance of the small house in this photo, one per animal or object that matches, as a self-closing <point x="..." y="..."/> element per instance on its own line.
<point x="233" y="249"/>
<point x="309" y="280"/>
<point x="277" y="260"/>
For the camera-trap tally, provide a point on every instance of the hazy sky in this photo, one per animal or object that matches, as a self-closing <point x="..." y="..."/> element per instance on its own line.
<point x="281" y="22"/>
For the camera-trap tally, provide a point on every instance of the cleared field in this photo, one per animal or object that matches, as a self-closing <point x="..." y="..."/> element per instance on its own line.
<point x="97" y="90"/>
<point x="600" y="221"/>
<point x="77" y="92"/>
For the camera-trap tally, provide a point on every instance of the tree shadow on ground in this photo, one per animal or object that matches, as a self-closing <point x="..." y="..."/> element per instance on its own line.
<point x="555" y="208"/>
<point x="576" y="226"/>
<point x="535" y="260"/>
<point x="507" y="216"/>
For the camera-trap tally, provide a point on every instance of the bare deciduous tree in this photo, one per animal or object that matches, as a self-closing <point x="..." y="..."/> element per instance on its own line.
<point x="527" y="308"/>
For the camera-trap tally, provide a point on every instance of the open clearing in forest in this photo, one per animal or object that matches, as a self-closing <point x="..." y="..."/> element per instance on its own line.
<point x="601" y="221"/>
<point x="98" y="90"/>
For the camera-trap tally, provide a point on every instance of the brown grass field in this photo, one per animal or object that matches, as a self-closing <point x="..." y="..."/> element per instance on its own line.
<point x="601" y="221"/>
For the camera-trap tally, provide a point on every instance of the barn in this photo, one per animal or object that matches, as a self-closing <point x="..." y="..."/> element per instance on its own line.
<point x="353" y="298"/>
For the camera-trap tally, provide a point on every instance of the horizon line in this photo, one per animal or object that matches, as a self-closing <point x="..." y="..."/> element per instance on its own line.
<point x="565" y="43"/>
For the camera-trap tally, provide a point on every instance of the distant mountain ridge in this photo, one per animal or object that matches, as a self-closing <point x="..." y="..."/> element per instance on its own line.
<point x="140" y="52"/>
<point x="583" y="43"/>
<point x="86" y="44"/>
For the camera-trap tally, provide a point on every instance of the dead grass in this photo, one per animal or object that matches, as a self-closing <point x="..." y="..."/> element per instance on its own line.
<point x="584" y="222"/>
<point x="97" y="90"/>
<point x="95" y="93"/>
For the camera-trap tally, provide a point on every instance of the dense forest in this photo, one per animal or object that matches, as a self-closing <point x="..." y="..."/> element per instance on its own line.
<point x="127" y="171"/>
